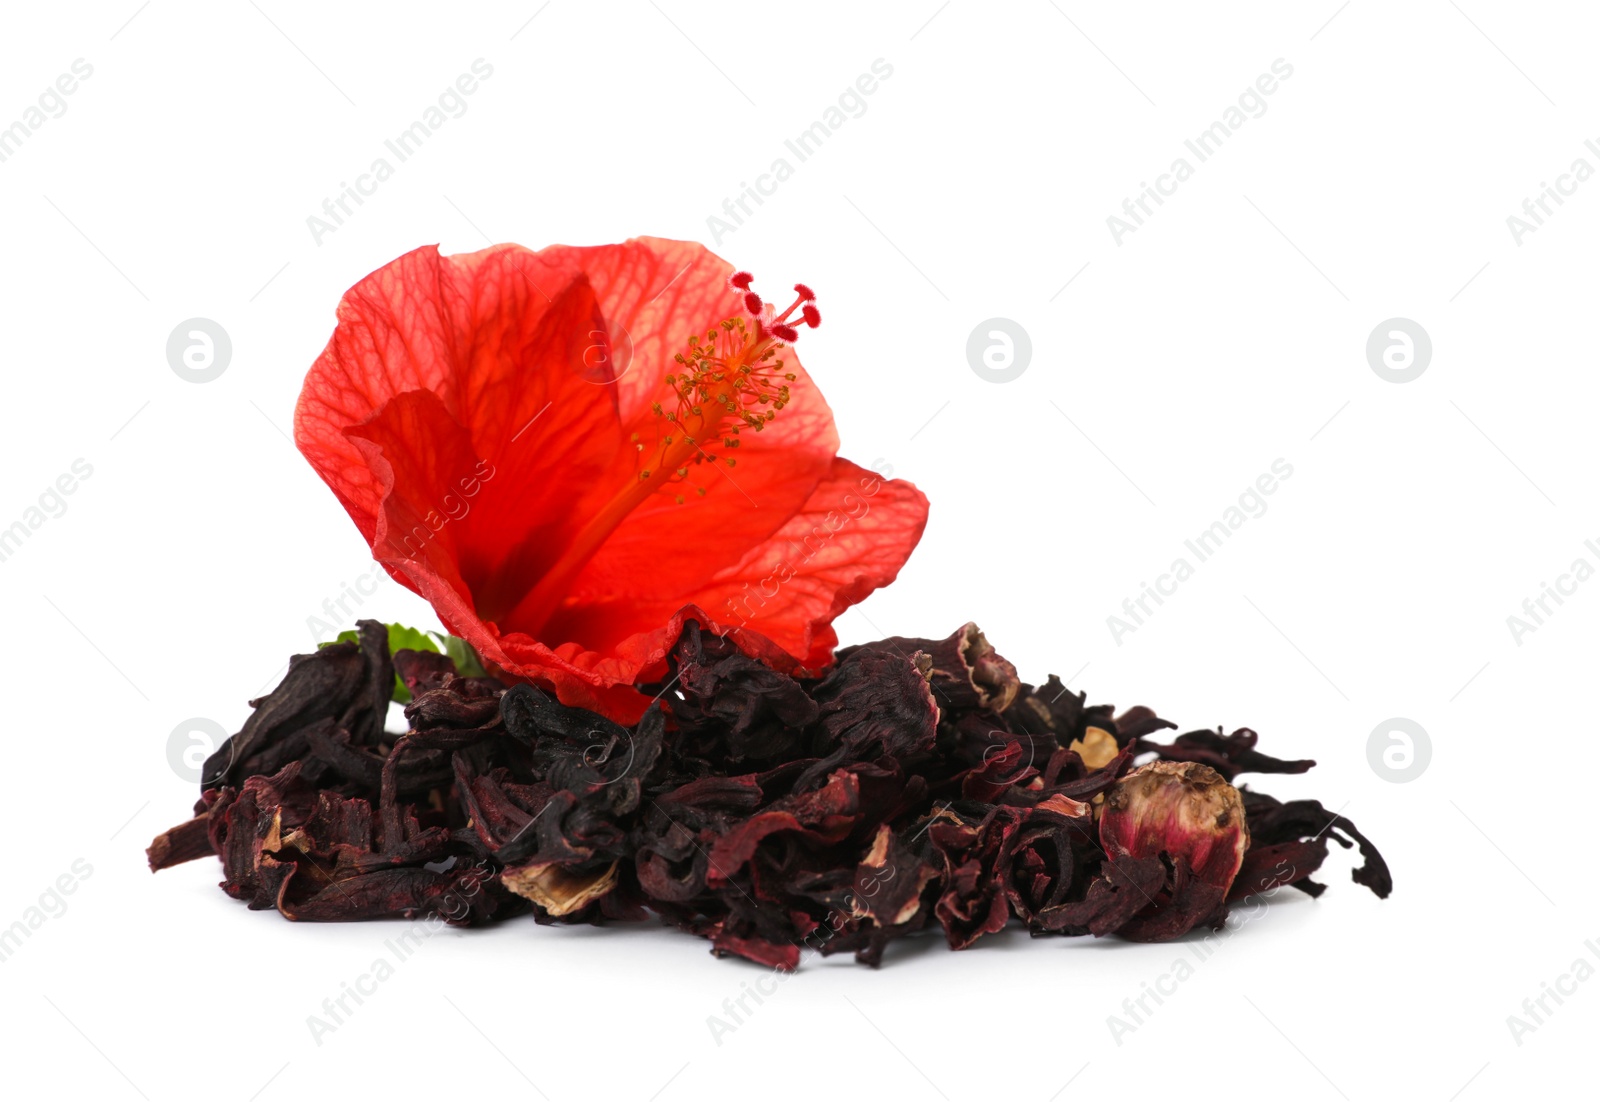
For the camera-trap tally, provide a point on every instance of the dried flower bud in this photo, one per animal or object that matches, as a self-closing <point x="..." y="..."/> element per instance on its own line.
<point x="1182" y="809"/>
<point x="1189" y="813"/>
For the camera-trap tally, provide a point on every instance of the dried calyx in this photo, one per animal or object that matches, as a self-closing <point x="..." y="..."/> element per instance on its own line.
<point x="918" y="784"/>
<point x="1185" y="817"/>
<point x="967" y="672"/>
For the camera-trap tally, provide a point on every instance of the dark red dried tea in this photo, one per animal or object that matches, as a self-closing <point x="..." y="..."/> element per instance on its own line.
<point x="918" y="782"/>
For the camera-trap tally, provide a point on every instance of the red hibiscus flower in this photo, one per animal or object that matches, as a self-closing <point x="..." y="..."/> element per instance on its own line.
<point x="568" y="452"/>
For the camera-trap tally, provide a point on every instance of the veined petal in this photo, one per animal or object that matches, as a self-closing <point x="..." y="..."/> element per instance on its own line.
<point x="779" y="601"/>
<point x="655" y="294"/>
<point x="851" y="537"/>
<point x="487" y="419"/>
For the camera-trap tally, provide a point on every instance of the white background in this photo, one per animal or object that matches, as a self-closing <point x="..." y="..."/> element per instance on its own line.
<point x="1227" y="332"/>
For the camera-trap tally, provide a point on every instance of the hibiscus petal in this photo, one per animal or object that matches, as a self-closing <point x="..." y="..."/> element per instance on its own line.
<point x="778" y="602"/>
<point x="499" y="337"/>
<point x="851" y="537"/>
<point x="425" y="469"/>
<point x="655" y="294"/>
<point x="525" y="376"/>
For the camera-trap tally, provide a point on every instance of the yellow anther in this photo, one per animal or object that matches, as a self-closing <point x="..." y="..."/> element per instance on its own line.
<point x="726" y="381"/>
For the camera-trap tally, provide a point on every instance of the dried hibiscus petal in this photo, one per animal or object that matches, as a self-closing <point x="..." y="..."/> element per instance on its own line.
<point x="965" y="672"/>
<point x="972" y="901"/>
<point x="1229" y="756"/>
<point x="1050" y="858"/>
<point x="1299" y="829"/>
<point x="917" y="783"/>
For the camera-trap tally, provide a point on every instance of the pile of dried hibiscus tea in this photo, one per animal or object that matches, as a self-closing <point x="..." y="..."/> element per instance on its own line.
<point x="917" y="782"/>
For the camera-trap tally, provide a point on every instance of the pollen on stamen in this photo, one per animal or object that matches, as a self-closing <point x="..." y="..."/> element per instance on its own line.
<point x="729" y="378"/>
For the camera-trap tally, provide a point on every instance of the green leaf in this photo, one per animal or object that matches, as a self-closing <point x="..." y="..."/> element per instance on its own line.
<point x="404" y="638"/>
<point x="468" y="664"/>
